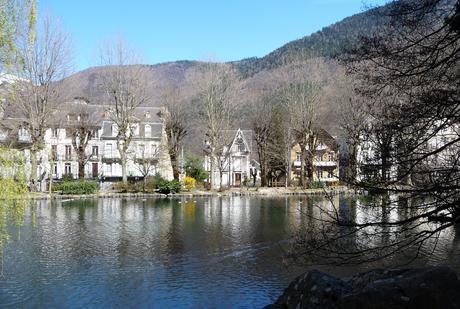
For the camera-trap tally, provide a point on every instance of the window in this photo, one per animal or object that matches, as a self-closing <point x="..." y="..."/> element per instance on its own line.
<point x="321" y="174"/>
<point x="154" y="150"/>
<point x="68" y="152"/>
<point x="331" y="156"/>
<point x="108" y="150"/>
<point x="54" y="152"/>
<point x="330" y="174"/>
<point x="142" y="150"/>
<point x="55" y="169"/>
<point x="148" y="130"/>
<point x="54" y="132"/>
<point x="96" y="133"/>
<point x="114" y="130"/>
<point x="136" y="130"/>
<point x="95" y="151"/>
<point x="67" y="168"/>
<point x="240" y="143"/>
<point x="108" y="169"/>
<point x="298" y="157"/>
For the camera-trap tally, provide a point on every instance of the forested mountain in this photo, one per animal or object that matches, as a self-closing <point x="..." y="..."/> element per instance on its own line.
<point x="330" y="42"/>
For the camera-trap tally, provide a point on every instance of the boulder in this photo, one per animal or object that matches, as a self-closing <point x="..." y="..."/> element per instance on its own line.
<point x="430" y="287"/>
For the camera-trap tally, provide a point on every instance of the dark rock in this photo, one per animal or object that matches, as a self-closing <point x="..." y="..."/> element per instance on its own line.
<point x="431" y="287"/>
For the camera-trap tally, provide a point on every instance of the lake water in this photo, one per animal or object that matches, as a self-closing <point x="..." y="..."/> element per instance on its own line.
<point x="220" y="252"/>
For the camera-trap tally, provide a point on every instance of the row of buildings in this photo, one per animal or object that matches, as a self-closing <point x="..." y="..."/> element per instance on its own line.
<point x="59" y="157"/>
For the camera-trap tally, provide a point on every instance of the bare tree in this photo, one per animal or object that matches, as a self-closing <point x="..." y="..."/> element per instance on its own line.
<point x="125" y="83"/>
<point x="354" y="116"/>
<point x="45" y="61"/>
<point x="410" y="74"/>
<point x="262" y="126"/>
<point x="176" y="116"/>
<point x="146" y="162"/>
<point x="81" y="125"/>
<point x="217" y="87"/>
<point x="301" y="97"/>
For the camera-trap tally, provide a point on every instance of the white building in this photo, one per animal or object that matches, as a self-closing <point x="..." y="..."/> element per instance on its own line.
<point x="59" y="156"/>
<point x="437" y="151"/>
<point x="236" y="162"/>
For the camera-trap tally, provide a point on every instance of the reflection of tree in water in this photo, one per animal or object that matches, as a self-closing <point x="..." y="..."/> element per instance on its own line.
<point x="12" y="213"/>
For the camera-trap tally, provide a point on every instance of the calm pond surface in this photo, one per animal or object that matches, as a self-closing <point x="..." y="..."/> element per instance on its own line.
<point x="220" y="252"/>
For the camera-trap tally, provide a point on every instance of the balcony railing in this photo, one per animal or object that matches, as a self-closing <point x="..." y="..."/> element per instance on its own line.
<point x="24" y="138"/>
<point x="317" y="163"/>
<point x="111" y="155"/>
<point x="325" y="163"/>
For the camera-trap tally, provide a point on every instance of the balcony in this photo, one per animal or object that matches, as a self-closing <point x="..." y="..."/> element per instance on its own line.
<point x="110" y="157"/>
<point x="24" y="138"/>
<point x="94" y="157"/>
<point x="325" y="163"/>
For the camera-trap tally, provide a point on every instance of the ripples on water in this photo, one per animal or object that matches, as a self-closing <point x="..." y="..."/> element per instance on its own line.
<point x="213" y="252"/>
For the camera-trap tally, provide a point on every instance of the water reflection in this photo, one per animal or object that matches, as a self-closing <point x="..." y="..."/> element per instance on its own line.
<point x="218" y="251"/>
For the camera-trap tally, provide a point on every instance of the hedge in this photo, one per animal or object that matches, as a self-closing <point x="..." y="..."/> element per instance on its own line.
<point x="76" y="187"/>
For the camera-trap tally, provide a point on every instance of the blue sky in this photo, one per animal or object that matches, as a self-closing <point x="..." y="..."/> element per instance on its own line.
<point x="195" y="30"/>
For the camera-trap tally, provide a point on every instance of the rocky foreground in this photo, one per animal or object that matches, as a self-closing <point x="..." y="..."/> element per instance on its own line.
<point x="432" y="287"/>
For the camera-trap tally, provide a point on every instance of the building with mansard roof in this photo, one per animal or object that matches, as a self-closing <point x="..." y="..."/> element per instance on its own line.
<point x="59" y="157"/>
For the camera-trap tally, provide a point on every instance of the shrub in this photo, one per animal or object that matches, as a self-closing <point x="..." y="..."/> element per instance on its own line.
<point x="166" y="187"/>
<point x="194" y="168"/>
<point x="76" y="187"/>
<point x="67" y="177"/>
<point x="125" y="188"/>
<point x="189" y="183"/>
<point x="316" y="185"/>
<point x="150" y="184"/>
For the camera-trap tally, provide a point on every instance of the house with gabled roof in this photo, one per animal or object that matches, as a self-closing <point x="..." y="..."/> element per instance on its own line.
<point x="238" y="167"/>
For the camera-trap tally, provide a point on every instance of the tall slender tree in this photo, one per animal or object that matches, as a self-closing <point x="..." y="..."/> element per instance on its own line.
<point x="125" y="83"/>
<point x="176" y="116"/>
<point x="217" y="87"/>
<point x="44" y="62"/>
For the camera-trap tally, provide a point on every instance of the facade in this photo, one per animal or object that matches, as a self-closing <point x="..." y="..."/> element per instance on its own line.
<point x="437" y="153"/>
<point x="326" y="159"/>
<point x="236" y="163"/>
<point x="59" y="158"/>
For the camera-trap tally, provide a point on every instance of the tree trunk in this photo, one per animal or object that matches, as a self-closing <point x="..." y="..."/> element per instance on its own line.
<point x="263" y="173"/>
<point x="211" y="173"/>
<point x="175" y="164"/>
<point x="33" y="170"/>
<point x="124" y="175"/>
<point x="303" y="165"/>
<point x="81" y="167"/>
<point x="221" y="176"/>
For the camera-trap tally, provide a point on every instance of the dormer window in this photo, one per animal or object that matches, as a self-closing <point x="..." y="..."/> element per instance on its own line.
<point x="136" y="130"/>
<point x="240" y="143"/>
<point x="147" y="115"/>
<point x="54" y="132"/>
<point x="148" y="130"/>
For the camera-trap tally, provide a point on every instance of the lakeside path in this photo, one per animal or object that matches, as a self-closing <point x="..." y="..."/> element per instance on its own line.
<point x="273" y="192"/>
